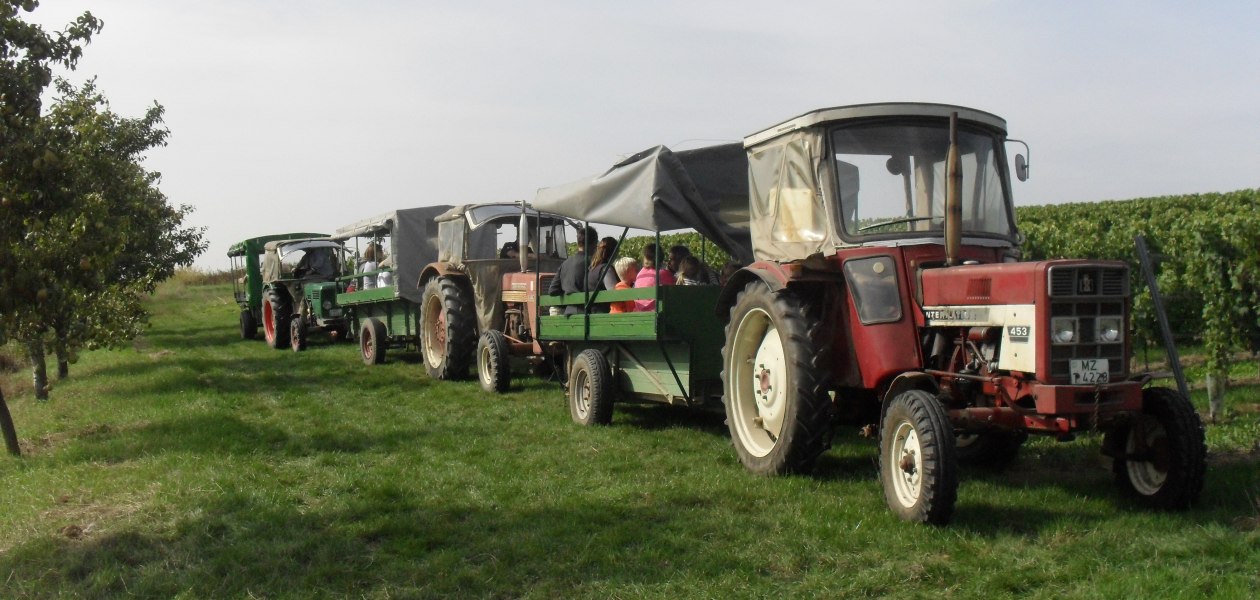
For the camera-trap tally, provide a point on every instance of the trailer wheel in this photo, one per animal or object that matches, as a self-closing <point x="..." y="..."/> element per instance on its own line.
<point x="590" y="389"/>
<point x="917" y="463"/>
<point x="991" y="449"/>
<point x="249" y="326"/>
<point x="448" y="329"/>
<point x="297" y="334"/>
<point x="493" y="367"/>
<point x="775" y="376"/>
<point x="372" y="341"/>
<point x="275" y="319"/>
<point x="1162" y="456"/>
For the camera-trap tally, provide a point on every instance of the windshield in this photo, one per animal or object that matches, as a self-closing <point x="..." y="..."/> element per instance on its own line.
<point x="891" y="179"/>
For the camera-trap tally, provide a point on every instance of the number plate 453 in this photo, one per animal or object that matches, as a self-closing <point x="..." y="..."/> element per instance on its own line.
<point x="1089" y="371"/>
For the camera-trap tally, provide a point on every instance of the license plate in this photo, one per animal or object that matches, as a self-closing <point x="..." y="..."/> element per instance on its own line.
<point x="1089" y="371"/>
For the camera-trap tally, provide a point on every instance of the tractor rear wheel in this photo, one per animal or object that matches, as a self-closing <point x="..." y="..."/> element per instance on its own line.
<point x="917" y="466"/>
<point x="448" y="329"/>
<point x="775" y="374"/>
<point x="372" y="336"/>
<point x="275" y="320"/>
<point x="1160" y="457"/>
<point x="249" y="326"/>
<point x="590" y="389"/>
<point x="493" y="366"/>
<point x="297" y="334"/>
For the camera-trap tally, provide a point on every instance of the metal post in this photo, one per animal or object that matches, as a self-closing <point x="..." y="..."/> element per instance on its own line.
<point x="1170" y="349"/>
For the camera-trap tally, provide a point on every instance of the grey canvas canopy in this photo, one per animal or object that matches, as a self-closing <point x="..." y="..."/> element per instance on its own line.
<point x="413" y="235"/>
<point x="661" y="190"/>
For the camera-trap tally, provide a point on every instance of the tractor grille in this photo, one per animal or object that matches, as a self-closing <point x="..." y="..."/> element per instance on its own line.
<point x="1087" y="293"/>
<point x="1066" y="282"/>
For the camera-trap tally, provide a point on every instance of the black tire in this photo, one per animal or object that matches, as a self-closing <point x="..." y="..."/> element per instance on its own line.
<point x="276" y="320"/>
<point x="297" y="334"/>
<point x="372" y="336"/>
<point x="448" y="329"/>
<point x="590" y="389"/>
<point x="249" y="325"/>
<point x="775" y="372"/>
<point x="917" y="464"/>
<point x="493" y="367"/>
<point x="1162" y="466"/>
<point x="990" y="449"/>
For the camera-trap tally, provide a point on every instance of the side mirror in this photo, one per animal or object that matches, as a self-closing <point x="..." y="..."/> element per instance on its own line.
<point x="1021" y="163"/>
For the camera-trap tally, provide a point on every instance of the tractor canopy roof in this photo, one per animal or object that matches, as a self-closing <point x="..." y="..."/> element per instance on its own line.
<point x="479" y="214"/>
<point x="870" y="111"/>
<point x="257" y="244"/>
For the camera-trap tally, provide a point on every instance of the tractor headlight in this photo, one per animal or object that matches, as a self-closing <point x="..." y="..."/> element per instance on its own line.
<point x="328" y="305"/>
<point x="1063" y="330"/>
<point x="1109" y="329"/>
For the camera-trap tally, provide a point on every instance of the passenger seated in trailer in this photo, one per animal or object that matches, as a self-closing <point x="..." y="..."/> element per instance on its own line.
<point x="627" y="268"/>
<point x="649" y="275"/>
<point x="385" y="278"/>
<point x="598" y="278"/>
<point x="705" y="276"/>
<point x="571" y="276"/>
<point x="728" y="271"/>
<point x="689" y="271"/>
<point x="368" y="264"/>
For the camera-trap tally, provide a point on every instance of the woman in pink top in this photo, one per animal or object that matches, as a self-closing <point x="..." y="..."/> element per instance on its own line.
<point x="650" y="276"/>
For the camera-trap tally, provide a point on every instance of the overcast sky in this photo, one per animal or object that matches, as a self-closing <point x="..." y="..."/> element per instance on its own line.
<point x="308" y="115"/>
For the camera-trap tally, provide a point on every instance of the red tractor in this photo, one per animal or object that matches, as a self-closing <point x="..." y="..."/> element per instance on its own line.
<point x="886" y="287"/>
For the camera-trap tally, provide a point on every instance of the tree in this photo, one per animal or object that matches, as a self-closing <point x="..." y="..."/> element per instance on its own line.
<point x="85" y="233"/>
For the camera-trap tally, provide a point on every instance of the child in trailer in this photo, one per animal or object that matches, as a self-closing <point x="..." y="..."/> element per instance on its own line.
<point x="627" y="269"/>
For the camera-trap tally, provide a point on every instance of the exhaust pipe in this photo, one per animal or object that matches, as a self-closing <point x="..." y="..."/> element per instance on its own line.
<point x="953" y="197"/>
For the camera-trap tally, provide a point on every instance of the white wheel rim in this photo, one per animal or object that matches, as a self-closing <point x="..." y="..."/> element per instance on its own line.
<point x="582" y="394"/>
<point x="432" y="315"/>
<point x="758" y="375"/>
<point x="483" y="364"/>
<point x="905" y="457"/>
<point x="1146" y="475"/>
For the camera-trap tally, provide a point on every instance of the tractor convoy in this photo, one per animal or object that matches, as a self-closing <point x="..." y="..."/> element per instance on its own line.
<point x="881" y="288"/>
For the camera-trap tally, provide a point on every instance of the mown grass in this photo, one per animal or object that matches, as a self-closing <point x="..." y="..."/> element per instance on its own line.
<point x="197" y="465"/>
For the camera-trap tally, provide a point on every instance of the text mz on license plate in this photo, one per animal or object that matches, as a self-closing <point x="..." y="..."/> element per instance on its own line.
<point x="1089" y="370"/>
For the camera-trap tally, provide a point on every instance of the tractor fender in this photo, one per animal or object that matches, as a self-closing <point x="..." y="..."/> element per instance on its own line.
<point x="908" y="381"/>
<point x="770" y="273"/>
<point x="439" y="269"/>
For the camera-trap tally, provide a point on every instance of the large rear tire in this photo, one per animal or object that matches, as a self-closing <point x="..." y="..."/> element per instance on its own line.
<point x="590" y="389"/>
<point x="448" y="329"/>
<point x="249" y="326"/>
<point x="275" y="320"/>
<point x="1161" y="456"/>
<point x="917" y="465"/>
<point x="775" y="375"/>
<point x="372" y="336"/>
<point x="493" y="362"/>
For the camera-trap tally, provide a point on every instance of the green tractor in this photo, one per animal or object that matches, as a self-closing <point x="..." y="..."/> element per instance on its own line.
<point x="299" y="290"/>
<point x="245" y="258"/>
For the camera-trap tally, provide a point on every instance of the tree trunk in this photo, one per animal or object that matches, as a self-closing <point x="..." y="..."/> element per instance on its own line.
<point x="1217" y="383"/>
<point x="63" y="357"/>
<point x="6" y="424"/>
<point x="39" y="368"/>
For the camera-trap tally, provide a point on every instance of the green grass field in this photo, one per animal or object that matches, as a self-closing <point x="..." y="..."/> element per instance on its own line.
<point x="197" y="465"/>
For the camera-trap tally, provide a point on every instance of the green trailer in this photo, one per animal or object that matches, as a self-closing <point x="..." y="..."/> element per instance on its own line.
<point x="381" y="292"/>
<point x="245" y="260"/>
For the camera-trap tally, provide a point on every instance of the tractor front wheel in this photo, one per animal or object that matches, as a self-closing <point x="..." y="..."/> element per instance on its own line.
<point x="1160" y="457"/>
<point x="917" y="466"/>
<point x="297" y="334"/>
<point x="774" y="372"/>
<point x="372" y="336"/>
<point x="448" y="329"/>
<point x="493" y="366"/>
